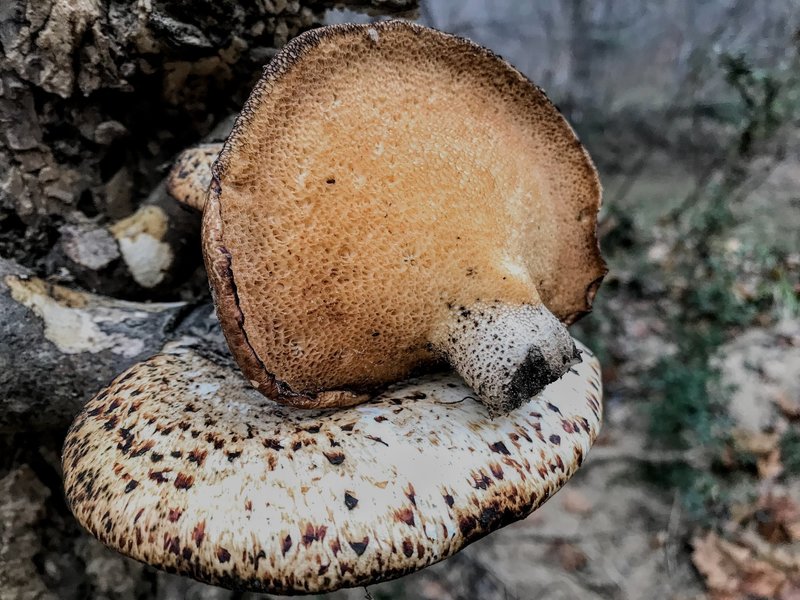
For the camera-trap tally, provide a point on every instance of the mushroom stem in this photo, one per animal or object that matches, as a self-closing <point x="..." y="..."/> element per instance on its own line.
<point x="506" y="353"/>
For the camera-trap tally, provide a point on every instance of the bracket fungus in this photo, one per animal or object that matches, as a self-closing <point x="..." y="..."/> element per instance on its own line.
<point x="391" y="198"/>
<point x="181" y="464"/>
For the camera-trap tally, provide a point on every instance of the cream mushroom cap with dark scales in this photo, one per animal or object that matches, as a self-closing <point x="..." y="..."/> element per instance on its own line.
<point x="181" y="464"/>
<point x="392" y="197"/>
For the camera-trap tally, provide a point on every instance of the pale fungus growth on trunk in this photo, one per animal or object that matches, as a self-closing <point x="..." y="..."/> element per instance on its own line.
<point x="391" y="200"/>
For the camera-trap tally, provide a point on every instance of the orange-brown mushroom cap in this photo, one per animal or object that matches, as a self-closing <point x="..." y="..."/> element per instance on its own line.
<point x="382" y="180"/>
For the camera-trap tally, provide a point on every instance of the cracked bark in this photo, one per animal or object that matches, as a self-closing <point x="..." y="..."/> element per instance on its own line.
<point x="96" y="99"/>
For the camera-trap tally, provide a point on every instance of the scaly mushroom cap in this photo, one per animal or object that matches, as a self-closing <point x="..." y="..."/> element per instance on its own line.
<point x="190" y="176"/>
<point x="387" y="191"/>
<point x="182" y="465"/>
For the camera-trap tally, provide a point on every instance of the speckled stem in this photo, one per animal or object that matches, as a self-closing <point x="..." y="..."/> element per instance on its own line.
<point x="506" y="353"/>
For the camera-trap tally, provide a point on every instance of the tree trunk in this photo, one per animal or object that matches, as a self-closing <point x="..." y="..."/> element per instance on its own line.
<point x="99" y="267"/>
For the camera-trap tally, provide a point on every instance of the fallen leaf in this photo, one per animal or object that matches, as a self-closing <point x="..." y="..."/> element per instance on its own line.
<point x="570" y="556"/>
<point x="778" y="518"/>
<point x="789" y="408"/>
<point x="756" y="442"/>
<point x="770" y="466"/>
<point x="713" y="565"/>
<point x="743" y="568"/>
<point x="575" y="502"/>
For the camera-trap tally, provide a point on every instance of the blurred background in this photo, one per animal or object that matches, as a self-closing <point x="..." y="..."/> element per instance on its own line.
<point x="690" y="110"/>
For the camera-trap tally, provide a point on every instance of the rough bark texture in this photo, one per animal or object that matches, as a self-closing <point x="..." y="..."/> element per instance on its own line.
<point x="97" y="98"/>
<point x="60" y="346"/>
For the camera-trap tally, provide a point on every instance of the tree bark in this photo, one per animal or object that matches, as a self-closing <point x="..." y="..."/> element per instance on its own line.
<point x="96" y="99"/>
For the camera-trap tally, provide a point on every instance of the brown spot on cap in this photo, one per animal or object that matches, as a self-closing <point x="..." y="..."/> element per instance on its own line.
<point x="199" y="533"/>
<point x="497" y="470"/>
<point x="411" y="493"/>
<point x="183" y="481"/>
<point x="158" y="476"/>
<point x="359" y="547"/>
<point x="405" y="515"/>
<point x="142" y="448"/>
<point x="350" y="500"/>
<point x="335" y="458"/>
<point x="313" y="534"/>
<point x="197" y="456"/>
<point x="499" y="447"/>
<point x="272" y="444"/>
<point x="172" y="544"/>
<point x="223" y="555"/>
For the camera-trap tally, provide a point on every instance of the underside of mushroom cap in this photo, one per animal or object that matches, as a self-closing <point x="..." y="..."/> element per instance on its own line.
<point x="379" y="177"/>
<point x="207" y="478"/>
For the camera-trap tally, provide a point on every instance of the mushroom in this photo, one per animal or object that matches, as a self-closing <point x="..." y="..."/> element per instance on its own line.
<point x="392" y="197"/>
<point x="181" y="464"/>
<point x="190" y="177"/>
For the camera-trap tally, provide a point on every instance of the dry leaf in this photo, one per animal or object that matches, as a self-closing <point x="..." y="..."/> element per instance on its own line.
<point x="575" y="502"/>
<point x="778" y="518"/>
<point x="758" y="443"/>
<point x="736" y="570"/>
<point x="770" y="466"/>
<point x="789" y="408"/>
<point x="713" y="565"/>
<point x="570" y="556"/>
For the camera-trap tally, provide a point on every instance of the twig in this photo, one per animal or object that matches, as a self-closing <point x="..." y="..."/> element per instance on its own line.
<point x="571" y="538"/>
<point x="695" y="457"/>
<point x="670" y="551"/>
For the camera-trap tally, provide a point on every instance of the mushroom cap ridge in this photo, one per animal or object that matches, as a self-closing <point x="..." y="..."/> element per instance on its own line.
<point x="344" y="371"/>
<point x="207" y="478"/>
